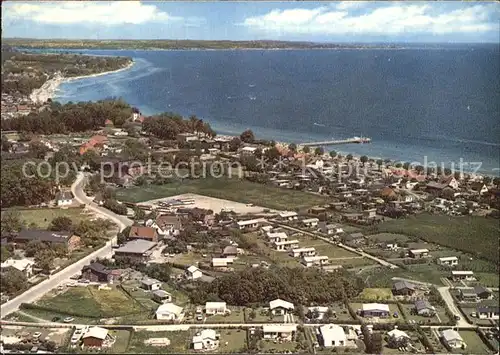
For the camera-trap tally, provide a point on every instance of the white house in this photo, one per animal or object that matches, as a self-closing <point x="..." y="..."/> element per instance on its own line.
<point x="207" y="339"/>
<point x="330" y="229"/>
<point x="276" y="237"/>
<point x="221" y="262"/>
<point x="249" y="224"/>
<point x="280" y="307"/>
<point x="301" y="252"/>
<point x="333" y="335"/>
<point x="212" y="308"/>
<point x="266" y="229"/>
<point x="286" y="245"/>
<point x="453" y="339"/>
<point x="64" y="198"/>
<point x="463" y="275"/>
<point x="487" y="312"/>
<point x="23" y="265"/>
<point x="449" y="261"/>
<point x="150" y="284"/>
<point x="166" y="225"/>
<point x="193" y="273"/>
<point x="319" y="260"/>
<point x="397" y="334"/>
<point x="169" y="311"/>
<point x="419" y="253"/>
<point x="283" y="331"/>
<point x="288" y="215"/>
<point x="310" y="222"/>
<point x="248" y="151"/>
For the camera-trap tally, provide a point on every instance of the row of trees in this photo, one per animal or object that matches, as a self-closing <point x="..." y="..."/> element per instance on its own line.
<point x="168" y="125"/>
<point x="300" y="286"/>
<point x="71" y="117"/>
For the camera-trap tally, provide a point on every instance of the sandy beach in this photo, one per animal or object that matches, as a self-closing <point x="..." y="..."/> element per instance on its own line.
<point x="49" y="88"/>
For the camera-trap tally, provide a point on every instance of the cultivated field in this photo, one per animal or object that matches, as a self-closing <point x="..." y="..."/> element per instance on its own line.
<point x="42" y="217"/>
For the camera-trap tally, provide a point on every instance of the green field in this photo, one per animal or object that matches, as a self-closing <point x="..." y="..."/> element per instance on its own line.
<point x="43" y="216"/>
<point x="232" y="340"/>
<point x="179" y="342"/>
<point x="474" y="343"/>
<point x="470" y="234"/>
<point x="229" y="189"/>
<point x="376" y="294"/>
<point x="91" y="302"/>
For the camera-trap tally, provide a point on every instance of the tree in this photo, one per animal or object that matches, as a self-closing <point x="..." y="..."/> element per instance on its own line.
<point x="247" y="136"/>
<point x="292" y="147"/>
<point x="406" y="165"/>
<point x="379" y="163"/>
<point x="11" y="222"/>
<point x="234" y="144"/>
<point x="306" y="150"/>
<point x="139" y="214"/>
<point x="5" y="253"/>
<point x="319" y="151"/>
<point x="333" y="153"/>
<point x="34" y="246"/>
<point x="252" y="314"/>
<point x="496" y="182"/>
<point x="13" y="281"/>
<point x="487" y="180"/>
<point x="44" y="259"/>
<point x="377" y="343"/>
<point x="272" y="154"/>
<point x="363" y="159"/>
<point x="61" y="223"/>
<point x="349" y="157"/>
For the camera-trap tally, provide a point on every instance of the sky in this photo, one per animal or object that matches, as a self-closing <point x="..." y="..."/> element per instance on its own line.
<point x="350" y="21"/>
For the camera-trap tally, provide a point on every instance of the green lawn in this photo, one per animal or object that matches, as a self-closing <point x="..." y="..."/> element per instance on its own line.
<point x="269" y="346"/>
<point x="179" y="342"/>
<point x="474" y="343"/>
<point x="230" y="189"/>
<point x="232" y="340"/>
<point x="462" y="233"/>
<point x="236" y="316"/>
<point x="407" y="308"/>
<point x="121" y="343"/>
<point x="376" y="294"/>
<point x="43" y="216"/>
<point x="91" y="302"/>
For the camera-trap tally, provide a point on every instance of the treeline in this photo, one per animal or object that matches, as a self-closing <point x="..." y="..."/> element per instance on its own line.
<point x="24" y="72"/>
<point x="181" y="44"/>
<point x="168" y="125"/>
<point x="71" y="117"/>
<point x="259" y="286"/>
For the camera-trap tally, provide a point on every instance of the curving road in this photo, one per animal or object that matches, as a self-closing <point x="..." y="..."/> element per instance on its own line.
<point x="37" y="291"/>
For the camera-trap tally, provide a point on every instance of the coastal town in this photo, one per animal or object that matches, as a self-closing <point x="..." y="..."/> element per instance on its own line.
<point x="161" y="236"/>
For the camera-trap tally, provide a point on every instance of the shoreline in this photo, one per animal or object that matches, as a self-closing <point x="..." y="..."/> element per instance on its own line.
<point x="49" y="88"/>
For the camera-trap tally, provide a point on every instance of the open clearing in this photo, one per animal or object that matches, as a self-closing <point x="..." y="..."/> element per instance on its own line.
<point x="242" y="191"/>
<point x="462" y="233"/>
<point x="43" y="216"/>
<point x="212" y="203"/>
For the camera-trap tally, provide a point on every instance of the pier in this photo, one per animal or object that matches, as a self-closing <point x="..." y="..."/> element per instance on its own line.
<point x="357" y="140"/>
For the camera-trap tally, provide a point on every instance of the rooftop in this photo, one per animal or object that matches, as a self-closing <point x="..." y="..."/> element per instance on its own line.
<point x="138" y="246"/>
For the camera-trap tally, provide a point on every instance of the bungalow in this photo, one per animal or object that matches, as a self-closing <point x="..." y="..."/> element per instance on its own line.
<point x="282" y="331"/>
<point x="64" y="198"/>
<point x="453" y="339"/>
<point x="161" y="296"/>
<point x="467" y="295"/>
<point x="310" y="222"/>
<point x="397" y="335"/>
<point x="424" y="308"/>
<point x="487" y="312"/>
<point x="150" y="284"/>
<point x="49" y="237"/>
<point x="230" y="252"/>
<point x="333" y="335"/>
<point x="169" y="311"/>
<point x="23" y="265"/>
<point x="449" y="261"/>
<point x="206" y="339"/>
<point x="320" y="260"/>
<point x="280" y="307"/>
<point x="288" y="215"/>
<point x="139" y="250"/>
<point x="403" y="288"/>
<point x="375" y="310"/>
<point x="329" y="229"/>
<point x="221" y="262"/>
<point x="418" y="253"/>
<point x="193" y="273"/>
<point x="483" y="293"/>
<point x="286" y="245"/>
<point x="146" y="233"/>
<point x="95" y="337"/>
<point x="212" y="308"/>
<point x="462" y="275"/>
<point x="301" y="252"/>
<point x="249" y="224"/>
<point x="276" y="237"/>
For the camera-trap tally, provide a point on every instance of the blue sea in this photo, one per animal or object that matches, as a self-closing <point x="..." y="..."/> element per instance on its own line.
<point x="441" y="103"/>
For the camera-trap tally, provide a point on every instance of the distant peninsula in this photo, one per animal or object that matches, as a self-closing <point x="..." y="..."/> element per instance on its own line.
<point x="182" y="44"/>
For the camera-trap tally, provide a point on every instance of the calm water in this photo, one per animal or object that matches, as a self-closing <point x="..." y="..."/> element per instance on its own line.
<point x="441" y="103"/>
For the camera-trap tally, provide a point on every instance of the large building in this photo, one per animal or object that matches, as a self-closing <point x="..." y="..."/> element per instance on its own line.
<point x="333" y="335"/>
<point x="139" y="250"/>
<point x="66" y="239"/>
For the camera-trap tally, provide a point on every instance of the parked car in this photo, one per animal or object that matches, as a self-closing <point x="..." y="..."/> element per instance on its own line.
<point x="68" y="319"/>
<point x="37" y="335"/>
<point x="457" y="317"/>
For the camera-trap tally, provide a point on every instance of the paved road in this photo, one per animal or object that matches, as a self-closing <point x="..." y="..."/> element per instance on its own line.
<point x="445" y="294"/>
<point x="37" y="291"/>
<point x="368" y="256"/>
